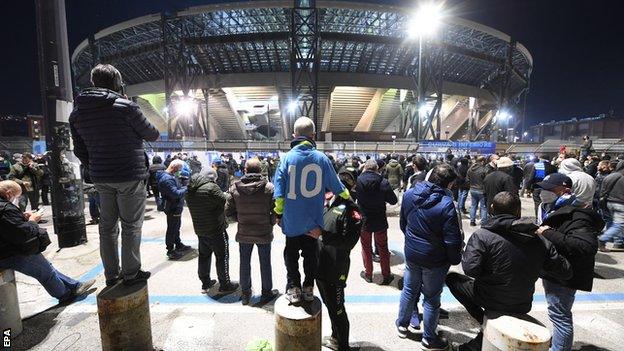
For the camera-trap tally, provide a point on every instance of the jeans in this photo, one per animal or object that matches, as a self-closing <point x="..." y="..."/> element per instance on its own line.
<point x="477" y="198"/>
<point x="264" y="254"/>
<point x="461" y="199"/>
<point x="429" y="282"/>
<point x="125" y="203"/>
<point x="333" y="298"/>
<point x="560" y="300"/>
<point x="309" y="251"/>
<point x="381" y="243"/>
<point x="172" y="237"/>
<point x="94" y="204"/>
<point x="56" y="283"/>
<point x="615" y="226"/>
<point x="218" y="245"/>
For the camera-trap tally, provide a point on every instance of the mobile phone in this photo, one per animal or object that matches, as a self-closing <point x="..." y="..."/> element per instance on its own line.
<point x="40" y="211"/>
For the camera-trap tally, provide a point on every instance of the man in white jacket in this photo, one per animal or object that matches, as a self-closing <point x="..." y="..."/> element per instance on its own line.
<point x="583" y="185"/>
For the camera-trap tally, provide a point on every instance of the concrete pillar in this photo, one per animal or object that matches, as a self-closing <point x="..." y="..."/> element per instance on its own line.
<point x="125" y="318"/>
<point x="297" y="328"/>
<point x="9" y="305"/>
<point x="510" y="333"/>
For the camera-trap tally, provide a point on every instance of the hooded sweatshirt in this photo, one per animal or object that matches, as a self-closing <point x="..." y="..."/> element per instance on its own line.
<point x="430" y="223"/>
<point x="583" y="185"/>
<point x="108" y="132"/>
<point x="251" y="205"/>
<point x="612" y="186"/>
<point x="505" y="257"/>
<point x="394" y="172"/>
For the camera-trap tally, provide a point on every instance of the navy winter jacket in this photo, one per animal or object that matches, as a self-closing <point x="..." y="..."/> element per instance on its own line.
<point x="108" y="132"/>
<point x="373" y="192"/>
<point x="172" y="194"/>
<point x="431" y="226"/>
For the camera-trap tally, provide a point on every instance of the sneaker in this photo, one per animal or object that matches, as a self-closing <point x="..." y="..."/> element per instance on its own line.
<point x="387" y="280"/>
<point x="602" y="246"/>
<point x="367" y="278"/>
<point x="142" y="276"/>
<point x="228" y="287"/>
<point x="174" y="255"/>
<point x="376" y="258"/>
<point x="473" y="224"/>
<point x="269" y="296"/>
<point x="182" y="248"/>
<point x="114" y="281"/>
<point x="294" y="295"/>
<point x="330" y="342"/>
<point x="438" y="344"/>
<point x="308" y="293"/>
<point x="206" y="288"/>
<point x="84" y="287"/>
<point x="402" y="332"/>
<point x="245" y="298"/>
<point x="415" y="329"/>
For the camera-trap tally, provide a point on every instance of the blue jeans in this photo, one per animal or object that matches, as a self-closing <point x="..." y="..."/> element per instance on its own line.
<point x="477" y="198"/>
<point x="615" y="224"/>
<point x="560" y="300"/>
<point x="56" y="283"/>
<point x="94" y="205"/>
<point x="429" y="282"/>
<point x="462" y="196"/>
<point x="264" y="253"/>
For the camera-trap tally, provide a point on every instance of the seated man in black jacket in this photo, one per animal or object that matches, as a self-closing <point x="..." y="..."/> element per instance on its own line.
<point x="503" y="260"/>
<point x="21" y="244"/>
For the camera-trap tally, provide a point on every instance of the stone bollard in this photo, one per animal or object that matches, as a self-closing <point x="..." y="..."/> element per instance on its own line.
<point x="10" y="317"/>
<point x="514" y="333"/>
<point x="125" y="318"/>
<point x="297" y="328"/>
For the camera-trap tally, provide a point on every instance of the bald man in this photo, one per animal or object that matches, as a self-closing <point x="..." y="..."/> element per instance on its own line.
<point x="21" y="244"/>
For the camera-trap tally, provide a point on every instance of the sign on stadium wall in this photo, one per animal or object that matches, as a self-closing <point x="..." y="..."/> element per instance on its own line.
<point x="457" y="147"/>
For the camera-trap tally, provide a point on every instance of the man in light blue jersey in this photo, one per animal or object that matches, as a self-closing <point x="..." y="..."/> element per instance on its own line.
<point x="303" y="177"/>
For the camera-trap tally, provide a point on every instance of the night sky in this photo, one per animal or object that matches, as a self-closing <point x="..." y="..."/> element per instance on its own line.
<point x="577" y="47"/>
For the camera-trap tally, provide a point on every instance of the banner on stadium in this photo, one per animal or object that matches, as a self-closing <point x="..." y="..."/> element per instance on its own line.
<point x="457" y="147"/>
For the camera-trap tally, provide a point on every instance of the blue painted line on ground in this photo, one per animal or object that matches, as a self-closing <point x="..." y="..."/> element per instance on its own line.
<point x="92" y="273"/>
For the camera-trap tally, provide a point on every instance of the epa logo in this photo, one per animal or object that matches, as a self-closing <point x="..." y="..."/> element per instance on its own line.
<point x="6" y="338"/>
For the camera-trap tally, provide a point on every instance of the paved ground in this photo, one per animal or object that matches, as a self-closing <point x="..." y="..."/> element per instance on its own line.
<point x="184" y="319"/>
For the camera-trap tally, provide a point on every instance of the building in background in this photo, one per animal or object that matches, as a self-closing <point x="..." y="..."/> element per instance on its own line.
<point x="30" y="126"/>
<point x="601" y="127"/>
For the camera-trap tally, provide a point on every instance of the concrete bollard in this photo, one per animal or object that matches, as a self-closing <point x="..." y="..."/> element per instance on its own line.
<point x="514" y="333"/>
<point x="10" y="317"/>
<point x="125" y="318"/>
<point x="297" y="328"/>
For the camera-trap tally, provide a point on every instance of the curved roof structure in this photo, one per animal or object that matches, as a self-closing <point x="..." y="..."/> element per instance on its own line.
<point x="248" y="44"/>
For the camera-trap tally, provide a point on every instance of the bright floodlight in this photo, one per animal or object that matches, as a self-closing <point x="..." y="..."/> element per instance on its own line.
<point x="185" y="106"/>
<point x="423" y="110"/>
<point x="503" y="115"/>
<point x="425" y="21"/>
<point x="526" y="133"/>
<point x="292" y="106"/>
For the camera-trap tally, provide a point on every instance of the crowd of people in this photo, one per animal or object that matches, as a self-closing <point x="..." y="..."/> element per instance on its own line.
<point x="324" y="206"/>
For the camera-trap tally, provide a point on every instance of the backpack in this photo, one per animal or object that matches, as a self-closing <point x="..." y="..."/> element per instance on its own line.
<point x="342" y="223"/>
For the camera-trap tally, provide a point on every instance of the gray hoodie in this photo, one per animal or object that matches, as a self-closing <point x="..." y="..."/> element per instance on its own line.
<point x="583" y="184"/>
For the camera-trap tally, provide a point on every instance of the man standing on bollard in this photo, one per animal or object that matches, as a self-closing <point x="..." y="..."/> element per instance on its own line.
<point x="300" y="182"/>
<point x="173" y="196"/>
<point x="108" y="132"/>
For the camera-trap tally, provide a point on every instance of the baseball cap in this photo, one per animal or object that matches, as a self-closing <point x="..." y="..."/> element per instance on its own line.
<point x="554" y="180"/>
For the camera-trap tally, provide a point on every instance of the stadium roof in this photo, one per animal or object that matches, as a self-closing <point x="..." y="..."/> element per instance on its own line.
<point x="253" y="37"/>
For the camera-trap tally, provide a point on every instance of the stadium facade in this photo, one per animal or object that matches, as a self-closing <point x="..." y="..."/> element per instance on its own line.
<point x="245" y="71"/>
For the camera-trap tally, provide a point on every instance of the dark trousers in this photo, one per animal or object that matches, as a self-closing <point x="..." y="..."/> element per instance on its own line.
<point x="462" y="287"/>
<point x="309" y="251"/>
<point x="333" y="298"/>
<point x="172" y="238"/>
<point x="94" y="205"/>
<point x="29" y="196"/>
<point x="264" y="254"/>
<point x="536" y="199"/>
<point x="155" y="192"/>
<point x="218" y="245"/>
<point x="45" y="190"/>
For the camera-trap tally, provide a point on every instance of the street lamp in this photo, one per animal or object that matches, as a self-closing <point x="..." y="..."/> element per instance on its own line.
<point x="424" y="23"/>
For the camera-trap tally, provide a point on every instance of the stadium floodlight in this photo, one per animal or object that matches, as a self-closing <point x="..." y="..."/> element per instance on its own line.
<point x="504" y="115"/>
<point x="424" y="110"/>
<point x="185" y="106"/>
<point x="526" y="134"/>
<point x="426" y="20"/>
<point x="292" y="106"/>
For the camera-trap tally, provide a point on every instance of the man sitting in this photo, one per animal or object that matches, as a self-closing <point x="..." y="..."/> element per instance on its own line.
<point x="503" y="260"/>
<point x="21" y="244"/>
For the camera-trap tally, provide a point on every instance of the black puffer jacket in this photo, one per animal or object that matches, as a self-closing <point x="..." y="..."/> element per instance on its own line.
<point x="17" y="235"/>
<point x="373" y="193"/>
<point x="108" y="132"/>
<point x="206" y="202"/>
<point x="575" y="235"/>
<point x="497" y="182"/>
<point x="505" y="258"/>
<point x="476" y="175"/>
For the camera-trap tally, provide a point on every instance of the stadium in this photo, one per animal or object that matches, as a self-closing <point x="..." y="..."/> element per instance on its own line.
<point x="245" y="71"/>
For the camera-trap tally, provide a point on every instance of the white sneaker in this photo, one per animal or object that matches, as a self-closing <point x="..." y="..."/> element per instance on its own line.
<point x="402" y="332"/>
<point x="293" y="295"/>
<point x="84" y="287"/>
<point x="308" y="293"/>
